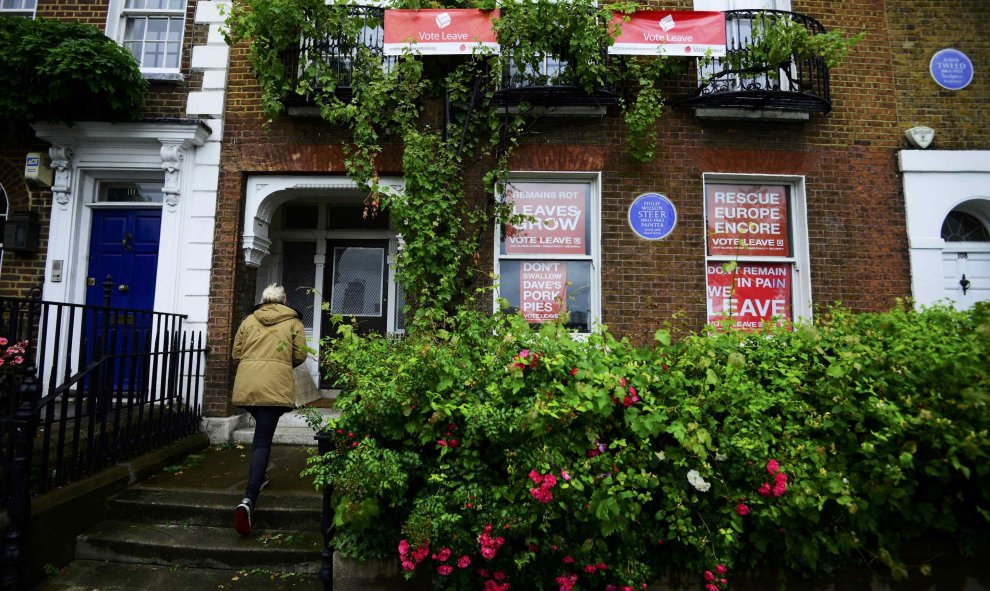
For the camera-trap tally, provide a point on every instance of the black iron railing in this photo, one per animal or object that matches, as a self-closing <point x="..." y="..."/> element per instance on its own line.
<point x="337" y="52"/>
<point x="93" y="386"/>
<point x="742" y="80"/>
<point x="551" y="81"/>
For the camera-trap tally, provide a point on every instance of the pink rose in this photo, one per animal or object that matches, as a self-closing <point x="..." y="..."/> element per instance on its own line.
<point x="720" y="569"/>
<point x="764" y="490"/>
<point x="464" y="561"/>
<point x="709" y="576"/>
<point x="445" y="569"/>
<point x="574" y="371"/>
<point x="773" y="467"/>
<point x="742" y="509"/>
<point x="408" y="565"/>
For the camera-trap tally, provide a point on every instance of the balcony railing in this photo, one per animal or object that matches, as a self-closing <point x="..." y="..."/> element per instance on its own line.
<point x="552" y="82"/>
<point x="339" y="52"/>
<point x="742" y="81"/>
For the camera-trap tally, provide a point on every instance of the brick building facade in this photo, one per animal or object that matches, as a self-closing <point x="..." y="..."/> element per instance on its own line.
<point x="272" y="202"/>
<point x="841" y="165"/>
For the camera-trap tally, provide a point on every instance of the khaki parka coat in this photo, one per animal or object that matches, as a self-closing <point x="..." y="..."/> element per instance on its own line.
<point x="269" y="344"/>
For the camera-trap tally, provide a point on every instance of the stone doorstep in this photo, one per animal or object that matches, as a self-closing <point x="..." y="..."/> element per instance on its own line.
<point x="292" y="429"/>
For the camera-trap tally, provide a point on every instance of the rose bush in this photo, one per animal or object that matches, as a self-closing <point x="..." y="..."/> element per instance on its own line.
<point x="11" y="355"/>
<point x="493" y="455"/>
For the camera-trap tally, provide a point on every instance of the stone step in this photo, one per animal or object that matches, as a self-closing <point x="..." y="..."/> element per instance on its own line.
<point x="283" y="436"/>
<point x="91" y="575"/>
<point x="201" y="547"/>
<point x="202" y="508"/>
<point x="292" y="429"/>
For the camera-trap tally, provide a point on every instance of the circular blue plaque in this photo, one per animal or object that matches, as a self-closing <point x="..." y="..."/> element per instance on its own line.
<point x="951" y="69"/>
<point x="652" y="216"/>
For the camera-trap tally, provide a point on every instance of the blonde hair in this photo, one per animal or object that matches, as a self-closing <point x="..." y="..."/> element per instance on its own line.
<point x="273" y="294"/>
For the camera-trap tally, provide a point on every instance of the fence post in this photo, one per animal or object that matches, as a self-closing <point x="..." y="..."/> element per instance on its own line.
<point x="324" y="446"/>
<point x="22" y="430"/>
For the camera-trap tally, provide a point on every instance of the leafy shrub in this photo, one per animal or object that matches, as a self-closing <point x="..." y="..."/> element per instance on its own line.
<point x="61" y="71"/>
<point x="492" y="453"/>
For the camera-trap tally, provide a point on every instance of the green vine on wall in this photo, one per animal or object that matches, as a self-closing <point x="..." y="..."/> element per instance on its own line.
<point x="442" y="229"/>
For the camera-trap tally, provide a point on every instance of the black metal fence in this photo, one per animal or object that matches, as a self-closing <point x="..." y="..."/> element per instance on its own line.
<point x="81" y="388"/>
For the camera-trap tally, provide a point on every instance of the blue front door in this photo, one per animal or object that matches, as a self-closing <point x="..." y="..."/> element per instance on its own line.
<point x="124" y="247"/>
<point x="123" y="264"/>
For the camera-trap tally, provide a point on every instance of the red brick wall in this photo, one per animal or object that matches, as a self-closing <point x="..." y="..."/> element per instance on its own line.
<point x="21" y="272"/>
<point x="917" y="31"/>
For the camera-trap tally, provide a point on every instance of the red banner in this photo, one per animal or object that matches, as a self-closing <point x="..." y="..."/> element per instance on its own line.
<point x="556" y="218"/>
<point x="670" y="32"/>
<point x="439" y="31"/>
<point x="747" y="220"/>
<point x="542" y="288"/>
<point x="750" y="295"/>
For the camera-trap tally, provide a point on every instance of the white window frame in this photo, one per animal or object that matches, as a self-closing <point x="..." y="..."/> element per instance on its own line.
<point x="801" y="300"/>
<point x="24" y="10"/>
<point x="117" y="19"/>
<point x="593" y="179"/>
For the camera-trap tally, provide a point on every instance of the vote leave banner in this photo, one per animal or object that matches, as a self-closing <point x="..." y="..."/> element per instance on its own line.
<point x="670" y="32"/>
<point x="747" y="220"/>
<point x="750" y="295"/>
<point x="556" y="219"/>
<point x="451" y="31"/>
<point x="542" y="286"/>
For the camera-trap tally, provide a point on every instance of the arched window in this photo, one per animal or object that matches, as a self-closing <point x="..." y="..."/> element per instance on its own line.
<point x="960" y="226"/>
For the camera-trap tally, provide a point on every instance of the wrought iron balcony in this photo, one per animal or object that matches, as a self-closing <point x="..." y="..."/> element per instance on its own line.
<point x="742" y="81"/>
<point x="340" y="53"/>
<point x="551" y="83"/>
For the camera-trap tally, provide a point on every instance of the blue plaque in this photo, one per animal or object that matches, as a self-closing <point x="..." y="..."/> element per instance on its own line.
<point x="652" y="216"/>
<point x="951" y="69"/>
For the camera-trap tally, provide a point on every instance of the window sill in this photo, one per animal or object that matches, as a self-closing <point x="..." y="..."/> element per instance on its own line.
<point x="764" y="114"/>
<point x="164" y="77"/>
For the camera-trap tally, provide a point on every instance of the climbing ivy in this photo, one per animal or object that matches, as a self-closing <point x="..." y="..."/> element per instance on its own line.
<point x="62" y="72"/>
<point x="442" y="229"/>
